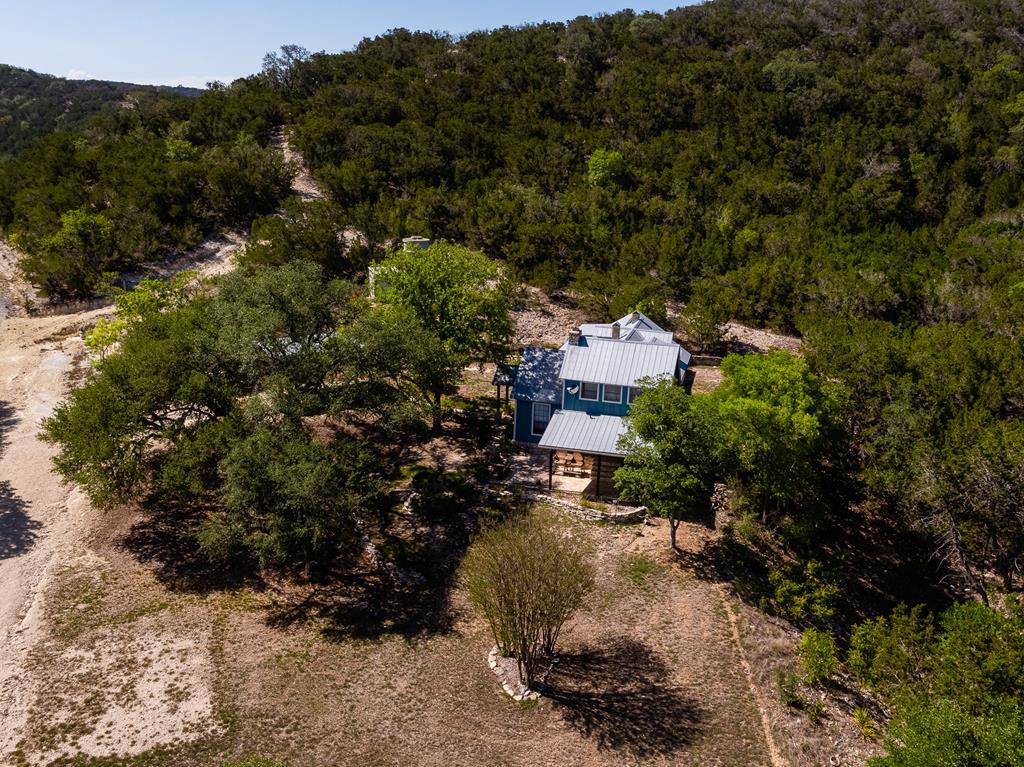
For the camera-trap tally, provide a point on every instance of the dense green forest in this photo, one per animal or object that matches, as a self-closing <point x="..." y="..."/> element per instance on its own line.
<point x="858" y="158"/>
<point x="159" y="174"/>
<point x="848" y="170"/>
<point x="33" y="104"/>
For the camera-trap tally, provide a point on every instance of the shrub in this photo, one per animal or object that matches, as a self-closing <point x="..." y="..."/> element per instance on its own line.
<point x="788" y="684"/>
<point x="746" y="529"/>
<point x="528" y="576"/>
<point x="815" y="710"/>
<point x="801" y="591"/>
<point x="865" y="723"/>
<point x="888" y="655"/>
<point x="817" y="651"/>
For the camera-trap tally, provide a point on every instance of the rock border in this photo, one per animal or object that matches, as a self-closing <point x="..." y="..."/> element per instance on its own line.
<point x="514" y="687"/>
<point x="620" y="515"/>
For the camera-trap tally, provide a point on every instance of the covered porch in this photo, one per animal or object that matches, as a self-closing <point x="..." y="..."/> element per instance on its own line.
<point x="582" y="451"/>
<point x="561" y="471"/>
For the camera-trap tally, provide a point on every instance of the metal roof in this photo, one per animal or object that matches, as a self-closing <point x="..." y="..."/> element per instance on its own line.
<point x="577" y="431"/>
<point x="537" y="377"/>
<point x="639" y="320"/>
<point x="632" y="335"/>
<point x="614" y="362"/>
<point x="504" y="375"/>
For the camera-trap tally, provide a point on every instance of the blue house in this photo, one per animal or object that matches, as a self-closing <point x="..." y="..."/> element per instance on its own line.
<point x="571" y="401"/>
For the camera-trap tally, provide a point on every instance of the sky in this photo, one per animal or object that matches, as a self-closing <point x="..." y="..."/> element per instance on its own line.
<point x="191" y="42"/>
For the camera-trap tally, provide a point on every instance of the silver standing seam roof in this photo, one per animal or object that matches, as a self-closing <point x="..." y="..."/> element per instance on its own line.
<point x="575" y="430"/>
<point x="624" y="364"/>
<point x="627" y="334"/>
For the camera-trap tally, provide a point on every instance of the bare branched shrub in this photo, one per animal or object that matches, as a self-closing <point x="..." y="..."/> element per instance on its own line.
<point x="528" y="576"/>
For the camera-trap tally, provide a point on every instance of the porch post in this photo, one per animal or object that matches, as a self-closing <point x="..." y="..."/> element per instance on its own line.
<point x="551" y="467"/>
<point x="598" y="493"/>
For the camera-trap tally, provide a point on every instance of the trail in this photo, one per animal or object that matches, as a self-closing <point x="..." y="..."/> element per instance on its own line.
<point x="303" y="184"/>
<point x="778" y="760"/>
<point x="41" y="520"/>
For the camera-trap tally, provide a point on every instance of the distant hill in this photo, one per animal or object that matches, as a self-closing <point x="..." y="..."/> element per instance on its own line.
<point x="33" y="104"/>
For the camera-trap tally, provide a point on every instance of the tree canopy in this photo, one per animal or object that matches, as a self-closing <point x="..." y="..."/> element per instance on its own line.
<point x="455" y="294"/>
<point x="773" y="425"/>
<point x="211" y="400"/>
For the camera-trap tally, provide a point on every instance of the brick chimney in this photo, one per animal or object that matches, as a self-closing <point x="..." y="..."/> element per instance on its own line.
<point x="616" y="331"/>
<point x="574" y="337"/>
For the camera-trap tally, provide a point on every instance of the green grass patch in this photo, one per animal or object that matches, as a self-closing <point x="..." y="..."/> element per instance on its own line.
<point x="641" y="570"/>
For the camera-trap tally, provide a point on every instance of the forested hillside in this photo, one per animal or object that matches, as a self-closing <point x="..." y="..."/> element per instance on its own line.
<point x="776" y="157"/>
<point x="156" y="174"/>
<point x="847" y="170"/>
<point x="33" y="104"/>
<point x="783" y="156"/>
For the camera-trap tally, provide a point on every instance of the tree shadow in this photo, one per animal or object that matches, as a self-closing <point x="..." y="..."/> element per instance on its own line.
<point x="18" y="531"/>
<point x="166" y="539"/>
<point x="407" y="589"/>
<point x="8" y="418"/>
<point x="875" y="564"/>
<point x="621" y="697"/>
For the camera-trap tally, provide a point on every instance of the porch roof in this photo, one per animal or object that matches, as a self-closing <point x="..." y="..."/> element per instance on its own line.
<point x="575" y="430"/>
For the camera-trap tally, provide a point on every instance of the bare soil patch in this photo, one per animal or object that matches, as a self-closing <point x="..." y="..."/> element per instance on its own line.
<point x="303" y="185"/>
<point x="132" y="665"/>
<point x="39" y="517"/>
<point x="543" y="320"/>
<point x="743" y="338"/>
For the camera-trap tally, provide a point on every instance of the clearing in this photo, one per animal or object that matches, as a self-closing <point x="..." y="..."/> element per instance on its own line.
<point x="115" y="643"/>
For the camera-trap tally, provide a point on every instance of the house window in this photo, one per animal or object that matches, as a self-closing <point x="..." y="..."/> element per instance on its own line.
<point x="588" y="390"/>
<point x="612" y="393"/>
<point x="541" y="416"/>
<point x="633" y="391"/>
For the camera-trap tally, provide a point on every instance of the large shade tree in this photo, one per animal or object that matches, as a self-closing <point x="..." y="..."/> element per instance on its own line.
<point x="209" y="402"/>
<point x="772" y="424"/>
<point x="455" y="293"/>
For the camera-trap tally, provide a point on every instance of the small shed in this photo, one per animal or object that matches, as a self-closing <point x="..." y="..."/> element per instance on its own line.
<point x="416" y="242"/>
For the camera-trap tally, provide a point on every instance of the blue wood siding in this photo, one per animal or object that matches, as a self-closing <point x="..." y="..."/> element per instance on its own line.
<point x="600" y="407"/>
<point x="523" y="423"/>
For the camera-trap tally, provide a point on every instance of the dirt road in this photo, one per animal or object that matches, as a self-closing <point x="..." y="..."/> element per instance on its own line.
<point x="40" y="518"/>
<point x="44" y="523"/>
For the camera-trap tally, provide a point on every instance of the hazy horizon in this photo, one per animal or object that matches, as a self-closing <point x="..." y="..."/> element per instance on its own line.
<point x="191" y="43"/>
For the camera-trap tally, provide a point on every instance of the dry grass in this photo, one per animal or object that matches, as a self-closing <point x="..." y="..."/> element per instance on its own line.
<point x="648" y="675"/>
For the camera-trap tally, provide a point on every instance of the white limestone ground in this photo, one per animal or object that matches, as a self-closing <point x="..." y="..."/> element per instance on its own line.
<point x="40" y="519"/>
<point x="147" y="686"/>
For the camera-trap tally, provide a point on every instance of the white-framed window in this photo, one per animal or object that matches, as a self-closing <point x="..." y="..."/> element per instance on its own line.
<point x="589" y="390"/>
<point x="612" y="393"/>
<point x="633" y="392"/>
<point x="541" y="417"/>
